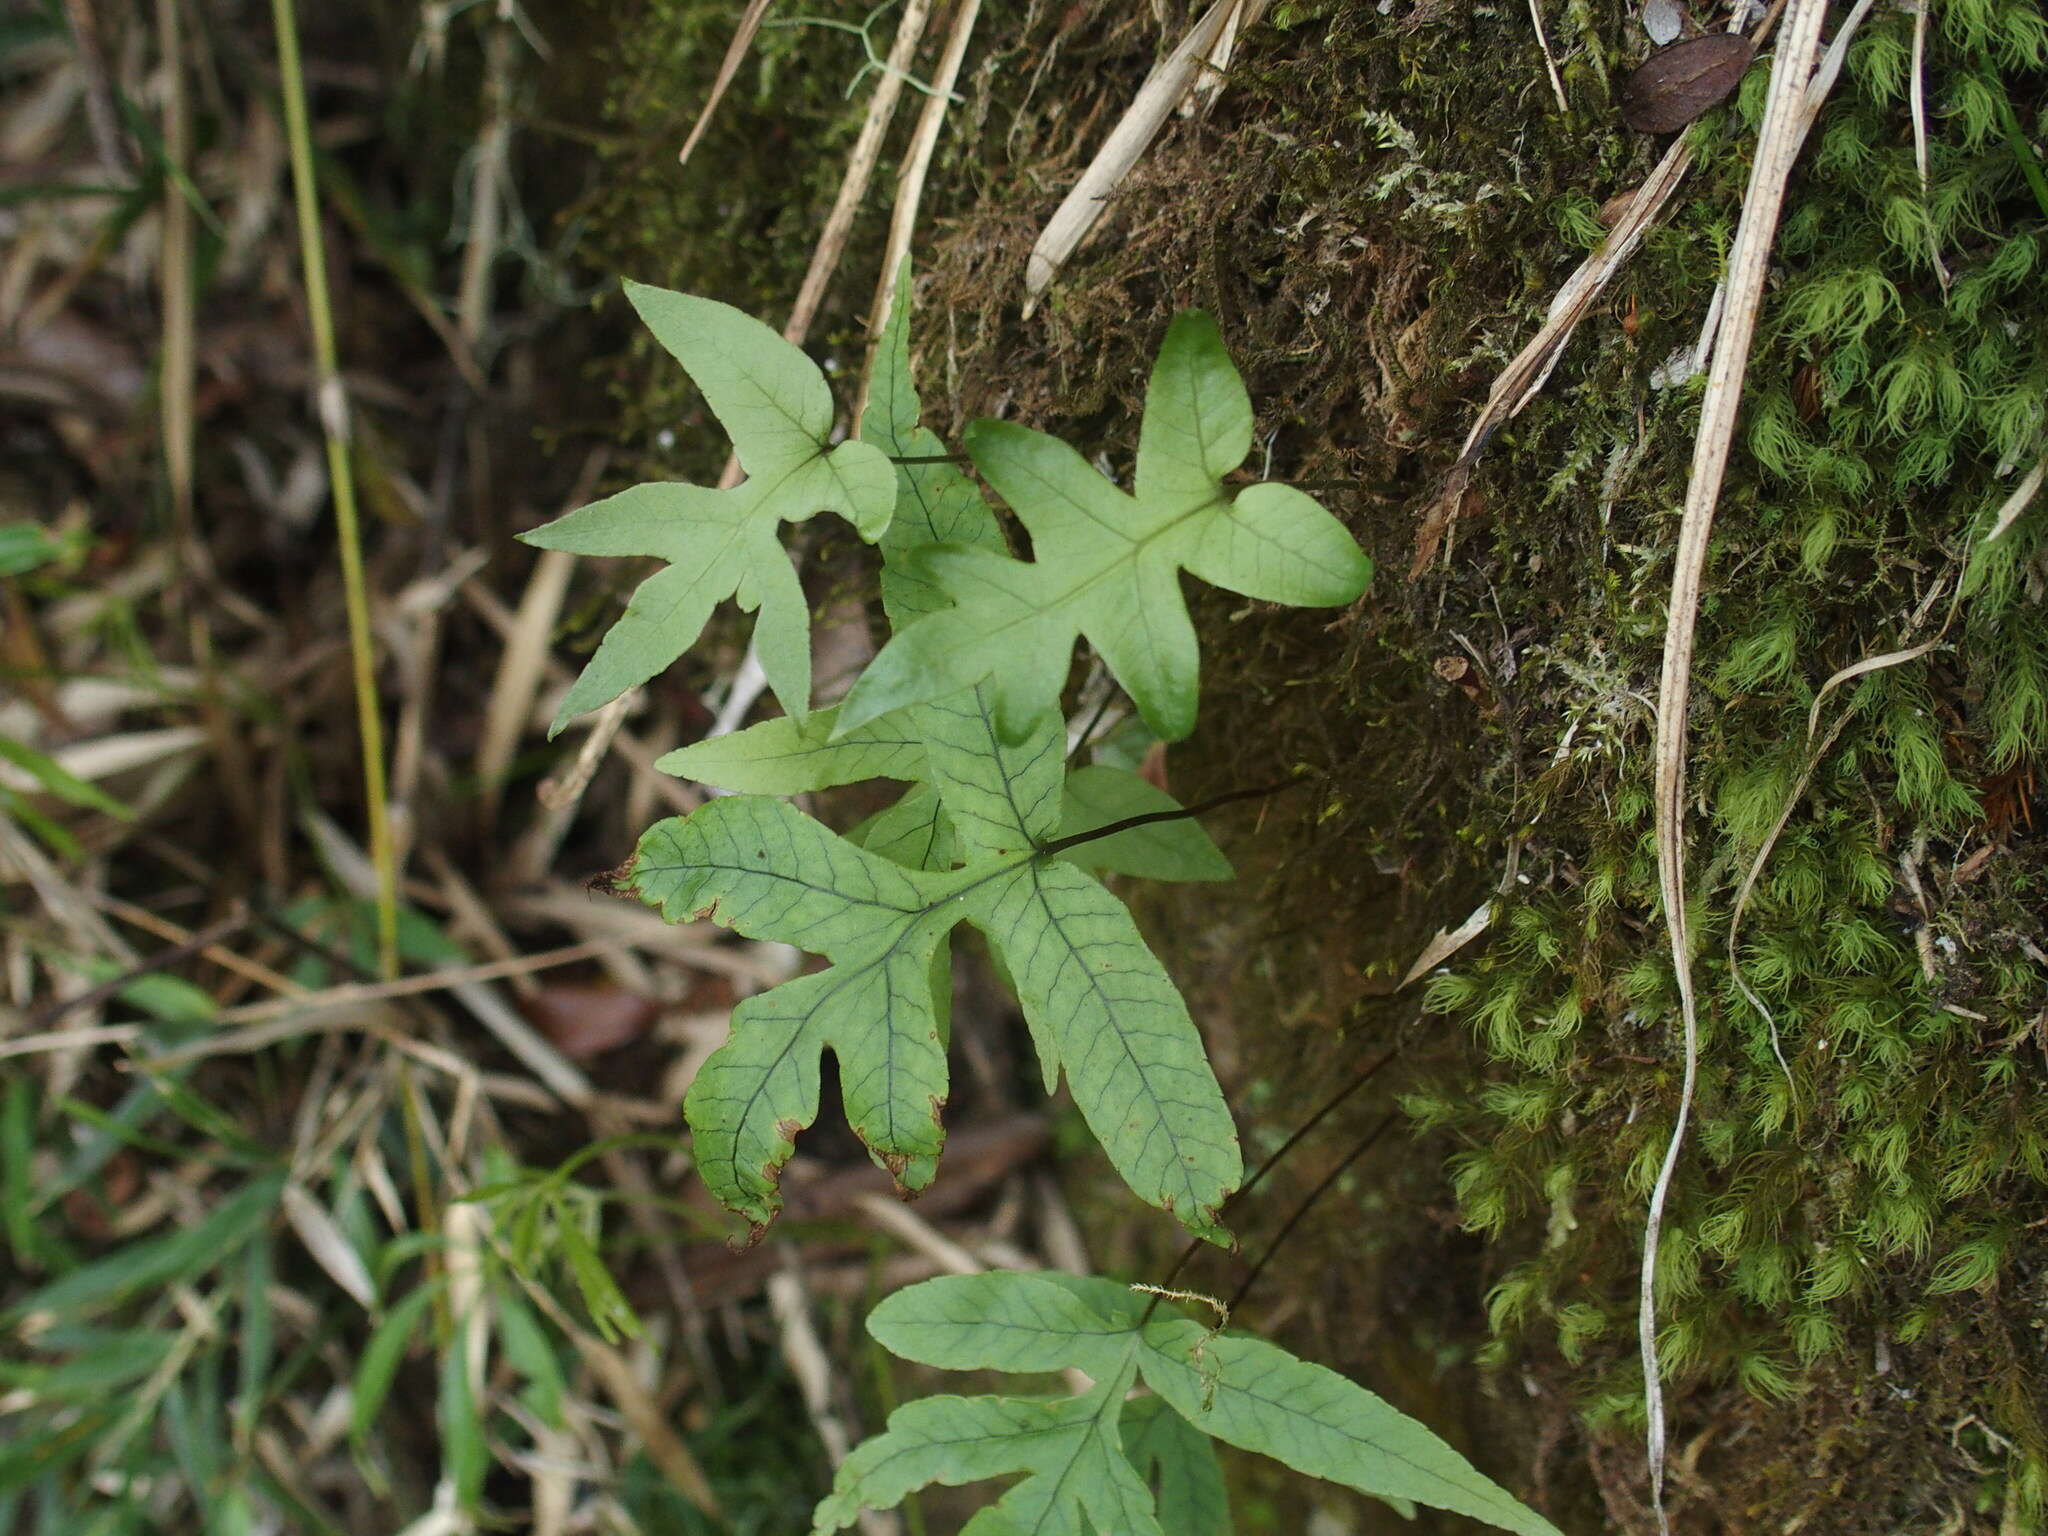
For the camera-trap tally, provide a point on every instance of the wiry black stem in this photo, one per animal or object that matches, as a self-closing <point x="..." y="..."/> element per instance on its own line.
<point x="1322" y="1188"/>
<point x="1062" y="844"/>
<point x="1359" y="1079"/>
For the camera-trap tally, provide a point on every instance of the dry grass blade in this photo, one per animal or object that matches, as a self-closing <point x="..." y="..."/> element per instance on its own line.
<point x="70" y="1039"/>
<point x="1448" y="942"/>
<point x="812" y="1368"/>
<point x="226" y="959"/>
<point x="917" y="162"/>
<point x="521" y="670"/>
<point x="175" y="372"/>
<point x="1524" y="377"/>
<point x="665" y="1448"/>
<point x="1688" y="365"/>
<point x="105" y="756"/>
<point x="101" y="115"/>
<point x="1215" y="72"/>
<point x="897" y="1219"/>
<point x="1817" y="752"/>
<point x="487" y="188"/>
<point x="1162" y="92"/>
<point x="560" y="796"/>
<point x="329" y="1246"/>
<point x="1778" y="143"/>
<point x="735" y="51"/>
<point x="1549" y="58"/>
<point x="825" y="255"/>
<point x="2022" y="496"/>
<point x="1916" y="97"/>
<point x="860" y="170"/>
<point x="638" y="755"/>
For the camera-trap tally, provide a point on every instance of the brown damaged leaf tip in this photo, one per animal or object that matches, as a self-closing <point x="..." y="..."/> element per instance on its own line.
<point x="1677" y="84"/>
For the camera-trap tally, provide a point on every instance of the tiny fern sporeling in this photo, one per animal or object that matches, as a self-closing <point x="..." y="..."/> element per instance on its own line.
<point x="995" y="828"/>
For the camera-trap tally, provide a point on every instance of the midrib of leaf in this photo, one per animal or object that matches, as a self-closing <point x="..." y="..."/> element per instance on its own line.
<point x="1115" y="567"/>
<point x="842" y="977"/>
<point x="1019" y="817"/>
<point x="913" y="913"/>
<point x="766" y="400"/>
<point x="1094" y="1430"/>
<point x="1281" y="1409"/>
<point x="1193" y="405"/>
<point x="768" y="492"/>
<point x="1109" y="1007"/>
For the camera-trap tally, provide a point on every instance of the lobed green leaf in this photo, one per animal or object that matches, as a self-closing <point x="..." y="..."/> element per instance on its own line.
<point x="1249" y="1393"/>
<point x="723" y="544"/>
<point x="1097" y="1002"/>
<point x="1106" y="565"/>
<point x="1260" y="1398"/>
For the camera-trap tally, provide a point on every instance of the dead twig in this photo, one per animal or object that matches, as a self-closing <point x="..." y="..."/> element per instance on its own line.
<point x="917" y="162"/>
<point x="1163" y="91"/>
<point x="735" y="51"/>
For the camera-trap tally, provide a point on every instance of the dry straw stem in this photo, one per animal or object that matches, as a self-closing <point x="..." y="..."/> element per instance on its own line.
<point x="1163" y="91"/>
<point x="2017" y="502"/>
<point x="860" y="170"/>
<point x="615" y="1375"/>
<point x="1917" y="101"/>
<point x="1549" y="58"/>
<point x="561" y="797"/>
<point x="1785" y="119"/>
<point x="1524" y="377"/>
<point x="334" y="421"/>
<point x="638" y="755"/>
<point x="175" y="368"/>
<point x="1817" y="90"/>
<point x="917" y="1234"/>
<point x="218" y="954"/>
<point x="101" y="116"/>
<point x="917" y="163"/>
<point x="735" y="51"/>
<point x="521" y="669"/>
<point x="812" y="1367"/>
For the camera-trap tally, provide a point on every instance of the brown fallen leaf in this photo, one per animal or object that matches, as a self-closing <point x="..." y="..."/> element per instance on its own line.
<point x="1676" y="84"/>
<point x="585" y="1022"/>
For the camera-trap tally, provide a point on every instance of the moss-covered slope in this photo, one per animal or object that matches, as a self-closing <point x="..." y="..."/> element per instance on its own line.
<point x="1378" y="209"/>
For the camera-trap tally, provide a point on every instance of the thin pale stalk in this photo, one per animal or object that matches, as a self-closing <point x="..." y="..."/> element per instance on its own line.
<point x="1778" y="143"/>
<point x="334" y="421"/>
<point x="917" y="162"/>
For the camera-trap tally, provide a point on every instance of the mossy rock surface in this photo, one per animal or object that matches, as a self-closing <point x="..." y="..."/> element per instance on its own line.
<point x="1378" y="209"/>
